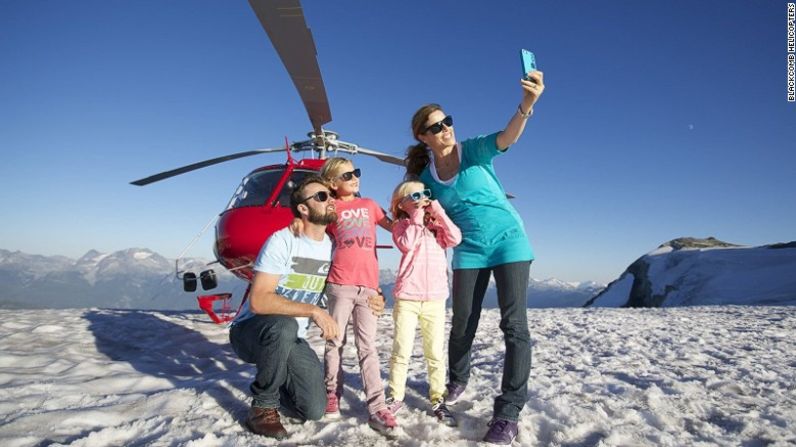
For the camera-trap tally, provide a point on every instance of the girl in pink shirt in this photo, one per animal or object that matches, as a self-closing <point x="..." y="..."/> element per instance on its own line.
<point x="422" y="231"/>
<point x="353" y="279"/>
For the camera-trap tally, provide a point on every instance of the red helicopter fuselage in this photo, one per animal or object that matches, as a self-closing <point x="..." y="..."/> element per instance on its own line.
<point x="259" y="207"/>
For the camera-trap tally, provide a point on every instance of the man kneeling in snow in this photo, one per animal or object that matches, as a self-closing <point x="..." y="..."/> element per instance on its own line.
<point x="270" y="331"/>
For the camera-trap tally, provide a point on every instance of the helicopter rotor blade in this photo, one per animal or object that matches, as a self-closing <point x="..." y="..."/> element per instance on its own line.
<point x="201" y="164"/>
<point x="387" y="158"/>
<point x="283" y="21"/>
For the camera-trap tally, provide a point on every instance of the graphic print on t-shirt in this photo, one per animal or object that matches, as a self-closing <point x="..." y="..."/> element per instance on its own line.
<point x="305" y="281"/>
<point x="354" y="229"/>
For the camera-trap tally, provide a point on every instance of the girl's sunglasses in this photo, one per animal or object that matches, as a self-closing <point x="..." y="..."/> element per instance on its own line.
<point x="320" y="196"/>
<point x="415" y="196"/>
<point x="437" y="127"/>
<point x="346" y="176"/>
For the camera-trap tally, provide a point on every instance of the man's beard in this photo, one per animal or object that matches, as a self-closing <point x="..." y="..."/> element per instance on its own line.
<point x="321" y="218"/>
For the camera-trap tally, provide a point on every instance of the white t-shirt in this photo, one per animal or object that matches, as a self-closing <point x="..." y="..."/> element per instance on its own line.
<point x="302" y="264"/>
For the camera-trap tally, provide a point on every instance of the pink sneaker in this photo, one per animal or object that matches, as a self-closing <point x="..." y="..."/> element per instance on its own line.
<point x="332" y="406"/>
<point x="394" y="405"/>
<point x="383" y="422"/>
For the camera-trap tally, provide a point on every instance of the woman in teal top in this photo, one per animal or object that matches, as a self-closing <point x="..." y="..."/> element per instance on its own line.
<point x="462" y="178"/>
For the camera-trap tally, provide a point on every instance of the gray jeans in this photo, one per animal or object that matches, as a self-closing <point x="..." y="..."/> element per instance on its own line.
<point x="289" y="373"/>
<point x="469" y="287"/>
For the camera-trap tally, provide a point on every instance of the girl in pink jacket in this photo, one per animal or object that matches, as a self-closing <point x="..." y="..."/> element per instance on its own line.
<point x="421" y="231"/>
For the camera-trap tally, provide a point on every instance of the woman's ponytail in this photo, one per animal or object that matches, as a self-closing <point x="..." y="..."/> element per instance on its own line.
<point x="417" y="155"/>
<point x="416" y="160"/>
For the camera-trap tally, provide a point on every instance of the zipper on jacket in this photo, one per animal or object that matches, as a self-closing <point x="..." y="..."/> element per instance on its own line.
<point x="428" y="285"/>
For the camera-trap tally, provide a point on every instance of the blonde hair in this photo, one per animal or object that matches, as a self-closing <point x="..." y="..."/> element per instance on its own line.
<point x="417" y="154"/>
<point x="400" y="192"/>
<point x="332" y="167"/>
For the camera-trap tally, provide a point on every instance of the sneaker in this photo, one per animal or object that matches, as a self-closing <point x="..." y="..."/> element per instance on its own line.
<point x="444" y="415"/>
<point x="332" y="406"/>
<point x="394" y="405"/>
<point x="383" y="422"/>
<point x="501" y="432"/>
<point x="455" y="391"/>
<point x="265" y="422"/>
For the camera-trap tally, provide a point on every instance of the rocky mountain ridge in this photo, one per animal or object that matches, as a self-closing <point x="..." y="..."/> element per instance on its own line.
<point x="693" y="271"/>
<point x="143" y="279"/>
<point x="131" y="278"/>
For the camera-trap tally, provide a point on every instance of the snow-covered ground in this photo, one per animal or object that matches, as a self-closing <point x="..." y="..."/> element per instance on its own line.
<point x="613" y="377"/>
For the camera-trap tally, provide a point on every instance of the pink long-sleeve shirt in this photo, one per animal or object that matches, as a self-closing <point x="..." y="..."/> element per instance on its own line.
<point x="423" y="271"/>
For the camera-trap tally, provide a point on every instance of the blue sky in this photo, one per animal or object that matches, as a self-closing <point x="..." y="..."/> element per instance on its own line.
<point x="661" y="119"/>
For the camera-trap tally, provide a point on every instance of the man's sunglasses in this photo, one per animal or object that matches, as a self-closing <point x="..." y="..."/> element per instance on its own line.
<point x="346" y="176"/>
<point x="415" y="196"/>
<point x="320" y="196"/>
<point x="437" y="127"/>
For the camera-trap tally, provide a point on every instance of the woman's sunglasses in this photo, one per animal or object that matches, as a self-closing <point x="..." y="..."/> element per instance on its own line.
<point x="415" y="196"/>
<point x="320" y="196"/>
<point x="346" y="176"/>
<point x="437" y="127"/>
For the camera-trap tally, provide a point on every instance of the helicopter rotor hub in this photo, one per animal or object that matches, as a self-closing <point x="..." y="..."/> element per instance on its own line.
<point x="322" y="143"/>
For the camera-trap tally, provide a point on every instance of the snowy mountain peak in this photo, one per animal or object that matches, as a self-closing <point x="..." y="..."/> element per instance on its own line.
<point x="552" y="283"/>
<point x="91" y="254"/>
<point x="692" y="242"/>
<point x="557" y="284"/>
<point x="590" y="285"/>
<point x="130" y="278"/>
<point x="134" y="253"/>
<point x="91" y="258"/>
<point x="140" y="255"/>
<point x="29" y="266"/>
<point x="691" y="271"/>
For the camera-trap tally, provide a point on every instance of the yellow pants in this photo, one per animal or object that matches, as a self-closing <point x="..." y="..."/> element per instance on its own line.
<point x="431" y="315"/>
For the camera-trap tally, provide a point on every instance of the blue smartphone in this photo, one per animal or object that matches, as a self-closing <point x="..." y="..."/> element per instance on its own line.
<point x="528" y="63"/>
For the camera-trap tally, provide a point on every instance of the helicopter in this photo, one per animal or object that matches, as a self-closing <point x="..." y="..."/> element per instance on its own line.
<point x="261" y="203"/>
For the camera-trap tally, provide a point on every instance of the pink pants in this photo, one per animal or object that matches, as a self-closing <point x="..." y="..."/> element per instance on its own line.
<point x="352" y="302"/>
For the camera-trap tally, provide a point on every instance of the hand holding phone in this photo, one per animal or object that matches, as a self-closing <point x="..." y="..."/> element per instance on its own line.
<point x="528" y="63"/>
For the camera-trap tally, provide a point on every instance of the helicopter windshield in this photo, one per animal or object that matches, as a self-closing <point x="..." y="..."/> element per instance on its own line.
<point x="255" y="189"/>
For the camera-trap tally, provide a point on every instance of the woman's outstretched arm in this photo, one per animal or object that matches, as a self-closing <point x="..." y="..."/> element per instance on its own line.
<point x="532" y="90"/>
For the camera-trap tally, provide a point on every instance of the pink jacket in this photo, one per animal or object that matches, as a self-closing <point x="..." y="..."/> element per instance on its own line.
<point x="423" y="272"/>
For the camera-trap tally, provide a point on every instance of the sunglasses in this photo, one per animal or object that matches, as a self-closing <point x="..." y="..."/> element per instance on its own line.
<point x="320" y="196"/>
<point x="415" y="196"/>
<point x="437" y="127"/>
<point x="346" y="176"/>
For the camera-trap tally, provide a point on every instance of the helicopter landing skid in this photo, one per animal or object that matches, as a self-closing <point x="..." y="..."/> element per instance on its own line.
<point x="224" y="314"/>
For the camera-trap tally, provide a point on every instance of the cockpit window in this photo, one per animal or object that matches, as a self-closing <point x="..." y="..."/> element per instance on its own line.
<point x="255" y="189"/>
<point x="295" y="179"/>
